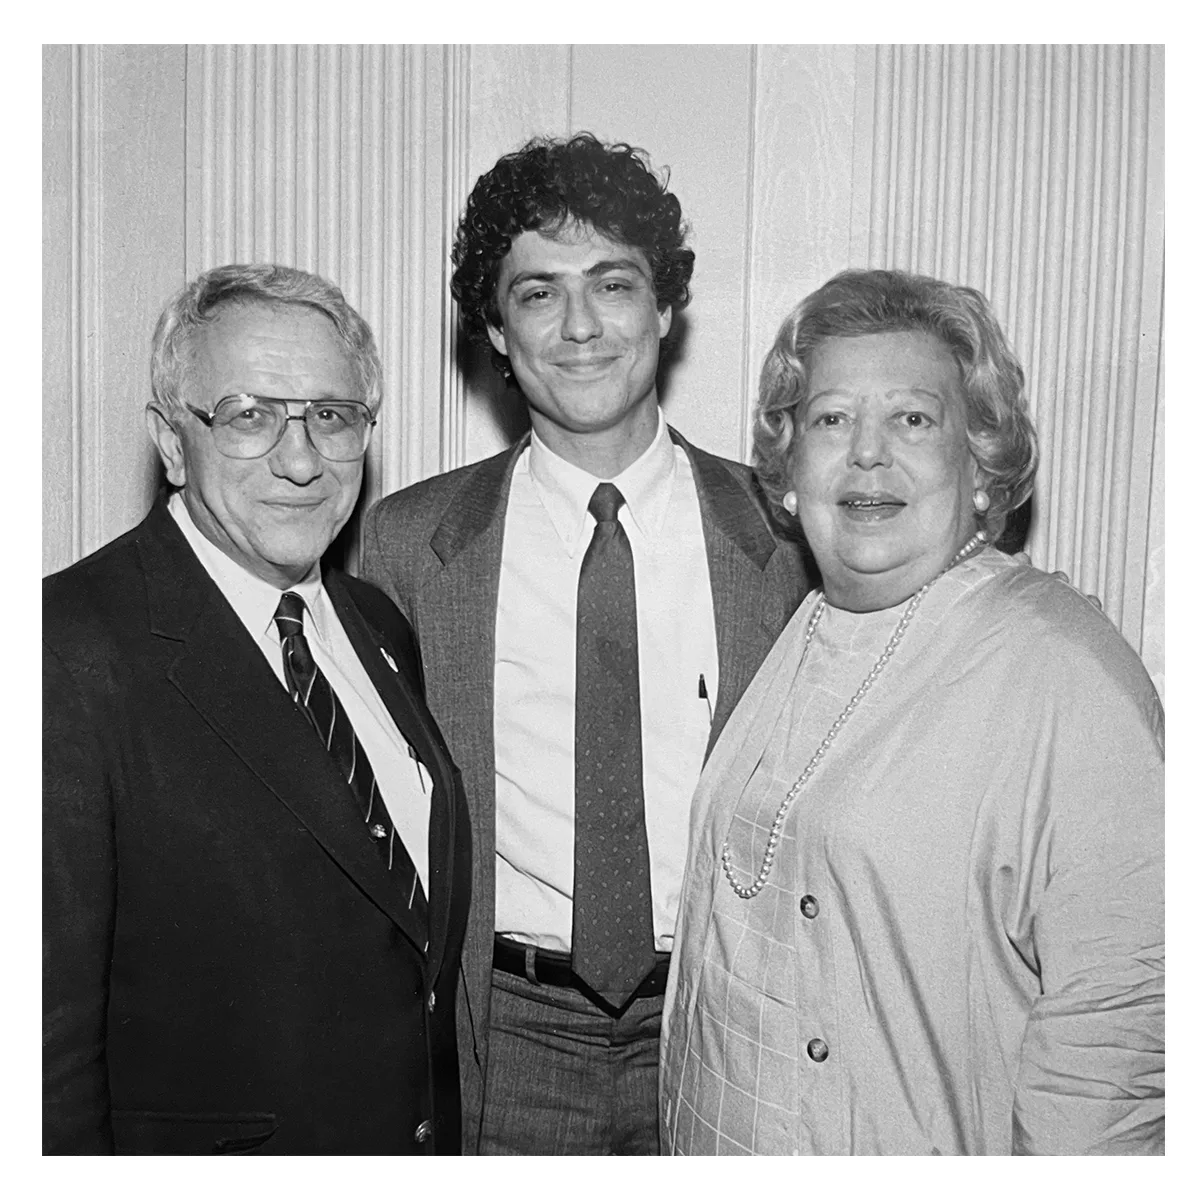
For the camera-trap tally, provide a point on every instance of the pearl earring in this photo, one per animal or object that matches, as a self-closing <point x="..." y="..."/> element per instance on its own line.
<point x="790" y="502"/>
<point x="982" y="500"/>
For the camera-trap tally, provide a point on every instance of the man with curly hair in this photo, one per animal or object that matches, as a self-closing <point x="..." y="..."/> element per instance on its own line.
<point x="590" y="605"/>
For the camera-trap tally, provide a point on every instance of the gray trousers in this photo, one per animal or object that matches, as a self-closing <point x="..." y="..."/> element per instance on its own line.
<point x="564" y="1077"/>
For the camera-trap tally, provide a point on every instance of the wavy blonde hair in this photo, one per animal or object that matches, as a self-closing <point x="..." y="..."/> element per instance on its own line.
<point x="858" y="302"/>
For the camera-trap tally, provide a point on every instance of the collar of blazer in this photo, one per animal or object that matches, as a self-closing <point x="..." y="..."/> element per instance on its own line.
<point x="726" y="503"/>
<point x="223" y="675"/>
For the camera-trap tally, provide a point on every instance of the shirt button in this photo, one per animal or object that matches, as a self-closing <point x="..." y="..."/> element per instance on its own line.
<point x="809" y="906"/>
<point x="377" y="831"/>
<point x="817" y="1050"/>
<point x="431" y="1003"/>
<point x="424" y="1131"/>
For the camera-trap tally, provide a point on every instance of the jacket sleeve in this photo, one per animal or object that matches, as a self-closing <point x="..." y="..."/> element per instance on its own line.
<point x="78" y="907"/>
<point x="1090" y="1074"/>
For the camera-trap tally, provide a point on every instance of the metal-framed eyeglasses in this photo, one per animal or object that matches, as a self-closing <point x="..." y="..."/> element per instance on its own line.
<point x="249" y="426"/>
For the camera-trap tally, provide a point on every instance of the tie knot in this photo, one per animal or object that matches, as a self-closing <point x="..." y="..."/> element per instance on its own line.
<point x="606" y="502"/>
<point x="289" y="616"/>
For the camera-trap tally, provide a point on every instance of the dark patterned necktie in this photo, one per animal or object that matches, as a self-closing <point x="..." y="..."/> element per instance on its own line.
<point x="612" y="925"/>
<point x="316" y="698"/>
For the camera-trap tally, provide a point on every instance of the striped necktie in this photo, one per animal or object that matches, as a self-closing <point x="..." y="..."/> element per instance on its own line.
<point x="316" y="698"/>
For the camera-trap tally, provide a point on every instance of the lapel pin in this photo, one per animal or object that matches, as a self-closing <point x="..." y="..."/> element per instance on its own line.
<point x="391" y="662"/>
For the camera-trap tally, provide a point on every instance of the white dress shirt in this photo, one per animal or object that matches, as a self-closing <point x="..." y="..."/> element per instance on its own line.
<point x="547" y="530"/>
<point x="402" y="780"/>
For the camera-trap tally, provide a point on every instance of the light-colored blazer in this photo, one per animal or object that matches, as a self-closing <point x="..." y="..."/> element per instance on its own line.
<point x="435" y="549"/>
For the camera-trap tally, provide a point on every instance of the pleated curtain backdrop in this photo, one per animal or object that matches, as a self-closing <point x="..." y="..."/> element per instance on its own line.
<point x="1034" y="173"/>
<point x="348" y="161"/>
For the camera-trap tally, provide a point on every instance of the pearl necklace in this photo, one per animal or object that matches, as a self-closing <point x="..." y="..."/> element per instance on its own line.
<point x="749" y="891"/>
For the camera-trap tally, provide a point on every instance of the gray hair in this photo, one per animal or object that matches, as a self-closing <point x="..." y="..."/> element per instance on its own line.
<point x="247" y="283"/>
<point x="858" y="302"/>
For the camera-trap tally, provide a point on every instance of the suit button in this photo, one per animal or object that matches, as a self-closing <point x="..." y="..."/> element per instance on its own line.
<point x="809" y="906"/>
<point x="431" y="1003"/>
<point x="817" y="1050"/>
<point x="424" y="1131"/>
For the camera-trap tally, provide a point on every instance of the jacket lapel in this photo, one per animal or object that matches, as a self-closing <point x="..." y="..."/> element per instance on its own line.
<point x="740" y="548"/>
<point x="456" y="623"/>
<point x="399" y="689"/>
<point x="748" y="612"/>
<point x="457" y="615"/>
<point x="223" y="675"/>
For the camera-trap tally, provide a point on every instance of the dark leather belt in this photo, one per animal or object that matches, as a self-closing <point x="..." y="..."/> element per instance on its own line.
<point x="553" y="967"/>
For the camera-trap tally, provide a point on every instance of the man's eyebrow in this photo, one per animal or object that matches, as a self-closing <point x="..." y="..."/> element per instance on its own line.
<point x="531" y="277"/>
<point x="596" y="269"/>
<point x="614" y="264"/>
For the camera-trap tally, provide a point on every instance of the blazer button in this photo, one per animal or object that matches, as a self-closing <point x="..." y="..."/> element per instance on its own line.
<point x="424" y="1131"/>
<point x="809" y="906"/>
<point x="817" y="1050"/>
<point x="431" y="1003"/>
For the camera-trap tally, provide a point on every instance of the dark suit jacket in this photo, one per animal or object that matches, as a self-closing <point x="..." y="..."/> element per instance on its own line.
<point x="229" y="966"/>
<point x="435" y="548"/>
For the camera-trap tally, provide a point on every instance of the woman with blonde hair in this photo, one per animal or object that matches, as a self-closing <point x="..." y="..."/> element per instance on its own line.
<point x="923" y="908"/>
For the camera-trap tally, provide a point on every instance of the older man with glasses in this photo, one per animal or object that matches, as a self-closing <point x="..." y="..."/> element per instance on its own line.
<point x="257" y="855"/>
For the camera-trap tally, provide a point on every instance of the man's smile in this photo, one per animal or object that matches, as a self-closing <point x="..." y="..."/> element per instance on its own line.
<point x="584" y="366"/>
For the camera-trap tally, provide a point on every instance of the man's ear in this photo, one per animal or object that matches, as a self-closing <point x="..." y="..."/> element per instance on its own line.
<point x="498" y="340"/>
<point x="168" y="444"/>
<point x="664" y="321"/>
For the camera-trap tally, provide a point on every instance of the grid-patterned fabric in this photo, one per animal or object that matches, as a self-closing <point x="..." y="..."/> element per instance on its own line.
<point x="940" y="963"/>
<point x="741" y="1084"/>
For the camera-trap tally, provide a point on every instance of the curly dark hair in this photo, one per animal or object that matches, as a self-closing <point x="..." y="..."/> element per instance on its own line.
<point x="554" y="182"/>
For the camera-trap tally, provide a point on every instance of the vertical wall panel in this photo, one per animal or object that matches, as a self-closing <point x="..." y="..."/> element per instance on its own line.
<point x="404" y="440"/>
<point x="1142" y="357"/>
<point x="455" y="185"/>
<point x="1024" y="268"/>
<point x="371" y="280"/>
<point x="1051" y="159"/>
<point x="692" y="108"/>
<point x="385" y="454"/>
<point x="800" y="192"/>
<point x="430" y="392"/>
<point x="513" y="93"/>
<point x="1154" y="651"/>
<point x="112" y="250"/>
<point x="86" y="340"/>
<point x="59" y="544"/>
<point x="347" y="161"/>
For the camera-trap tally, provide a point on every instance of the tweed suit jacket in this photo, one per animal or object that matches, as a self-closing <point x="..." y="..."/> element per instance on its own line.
<point x="435" y="548"/>
<point x="229" y="967"/>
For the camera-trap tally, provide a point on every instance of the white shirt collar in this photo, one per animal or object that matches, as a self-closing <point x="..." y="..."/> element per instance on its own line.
<point x="253" y="599"/>
<point x="565" y="489"/>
